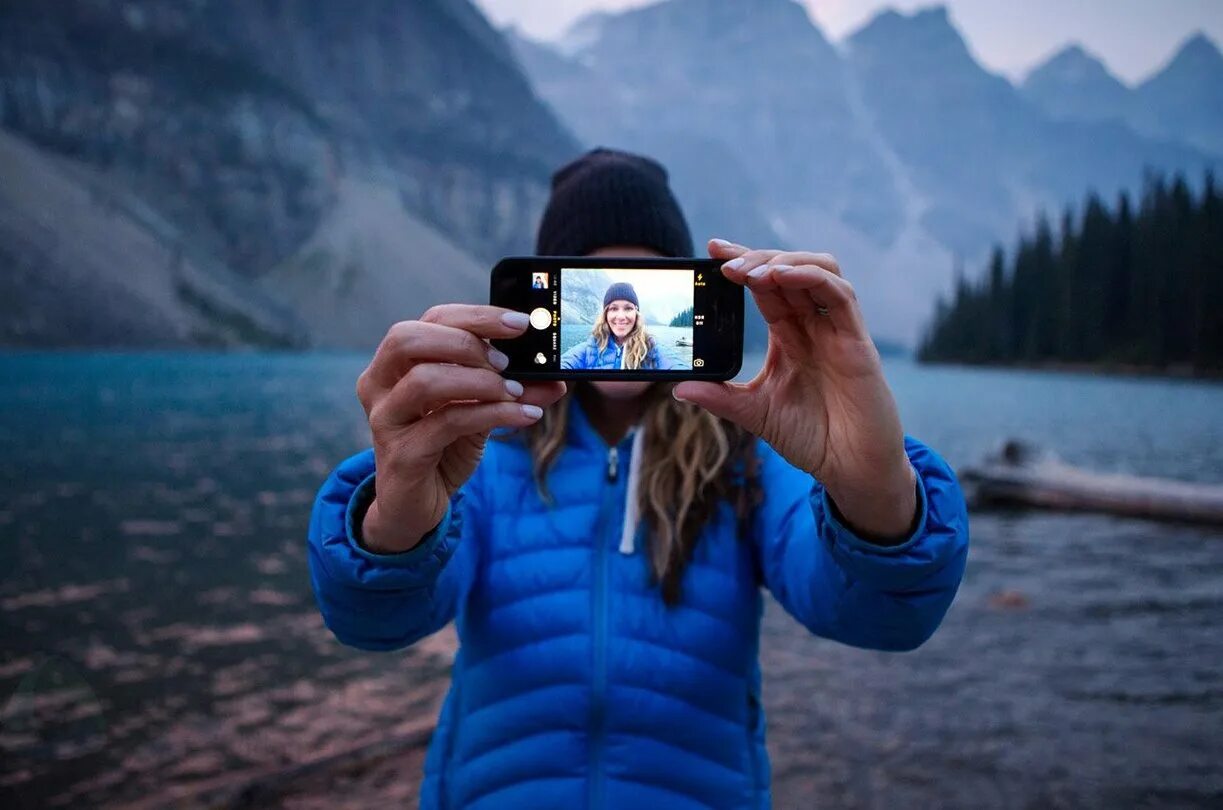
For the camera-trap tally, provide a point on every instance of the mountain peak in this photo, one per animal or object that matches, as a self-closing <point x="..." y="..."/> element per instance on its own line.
<point x="1073" y="55"/>
<point x="1074" y="84"/>
<point x="1197" y="62"/>
<point x="927" y="27"/>
<point x="1072" y="65"/>
<point x="1184" y="99"/>
<point x="740" y="10"/>
<point x="1200" y="41"/>
<point x="1199" y="52"/>
<point x="783" y="24"/>
<point x="926" y="39"/>
<point x="933" y="14"/>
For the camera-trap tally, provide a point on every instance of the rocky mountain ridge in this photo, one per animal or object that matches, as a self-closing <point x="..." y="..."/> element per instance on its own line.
<point x="894" y="149"/>
<point x="304" y="174"/>
<point x="247" y="126"/>
<point x="1182" y="101"/>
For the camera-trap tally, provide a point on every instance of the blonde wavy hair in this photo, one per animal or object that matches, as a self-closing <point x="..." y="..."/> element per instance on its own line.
<point x="636" y="344"/>
<point x="692" y="462"/>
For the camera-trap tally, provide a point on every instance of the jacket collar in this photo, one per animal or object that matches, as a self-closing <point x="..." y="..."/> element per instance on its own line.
<point x="583" y="434"/>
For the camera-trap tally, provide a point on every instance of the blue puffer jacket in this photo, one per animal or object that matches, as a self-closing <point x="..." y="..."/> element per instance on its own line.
<point x="574" y="685"/>
<point x="587" y="356"/>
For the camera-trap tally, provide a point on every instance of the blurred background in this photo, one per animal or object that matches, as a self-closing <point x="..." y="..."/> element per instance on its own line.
<point x="211" y="211"/>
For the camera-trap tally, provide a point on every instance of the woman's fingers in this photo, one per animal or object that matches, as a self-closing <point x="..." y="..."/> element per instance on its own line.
<point x="430" y="386"/>
<point x="484" y="321"/>
<point x="543" y="394"/>
<point x="737" y="269"/>
<point x="442" y="428"/>
<point x="721" y="249"/>
<point x="411" y="342"/>
<point x="795" y="296"/>
<point x="821" y="293"/>
<point x="731" y="401"/>
<point x="799" y="258"/>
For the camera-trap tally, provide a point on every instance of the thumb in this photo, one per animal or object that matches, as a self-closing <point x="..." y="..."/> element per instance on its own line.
<point x="729" y="401"/>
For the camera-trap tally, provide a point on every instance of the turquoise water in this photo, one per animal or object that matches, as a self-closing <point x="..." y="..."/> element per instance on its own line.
<point x="160" y="636"/>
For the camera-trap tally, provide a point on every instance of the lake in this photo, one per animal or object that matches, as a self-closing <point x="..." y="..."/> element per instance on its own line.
<point x="160" y="638"/>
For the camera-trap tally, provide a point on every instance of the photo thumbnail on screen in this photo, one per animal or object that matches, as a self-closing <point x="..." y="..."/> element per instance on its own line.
<point x="620" y="319"/>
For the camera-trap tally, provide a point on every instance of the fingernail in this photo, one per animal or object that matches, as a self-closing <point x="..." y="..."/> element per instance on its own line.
<point x="532" y="411"/>
<point x="513" y="388"/>
<point x="675" y="393"/>
<point x="516" y="320"/>
<point x="498" y="360"/>
<point x="781" y="268"/>
<point x="757" y="272"/>
<point x="734" y="264"/>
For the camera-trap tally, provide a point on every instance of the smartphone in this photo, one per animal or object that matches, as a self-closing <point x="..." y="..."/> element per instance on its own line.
<point x="605" y="318"/>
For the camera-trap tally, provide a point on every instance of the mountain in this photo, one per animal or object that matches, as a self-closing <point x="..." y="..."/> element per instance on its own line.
<point x="947" y="119"/>
<point x="983" y="156"/>
<point x="85" y="265"/>
<point x="897" y="150"/>
<point x="270" y="141"/>
<point x="691" y="75"/>
<point x="302" y="174"/>
<point x="583" y="296"/>
<point x="752" y="158"/>
<point x="1184" y="100"/>
<point x="1075" y="85"/>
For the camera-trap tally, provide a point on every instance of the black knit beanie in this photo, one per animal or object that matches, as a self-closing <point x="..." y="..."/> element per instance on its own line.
<point x="620" y="291"/>
<point x="606" y="198"/>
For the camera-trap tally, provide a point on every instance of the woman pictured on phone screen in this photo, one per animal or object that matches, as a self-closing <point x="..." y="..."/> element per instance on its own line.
<point x="619" y="340"/>
<point x="604" y="554"/>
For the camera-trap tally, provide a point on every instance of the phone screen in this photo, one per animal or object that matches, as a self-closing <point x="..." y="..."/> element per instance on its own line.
<point x="606" y="318"/>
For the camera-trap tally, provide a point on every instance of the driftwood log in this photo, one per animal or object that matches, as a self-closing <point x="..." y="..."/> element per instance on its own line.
<point x="1018" y="475"/>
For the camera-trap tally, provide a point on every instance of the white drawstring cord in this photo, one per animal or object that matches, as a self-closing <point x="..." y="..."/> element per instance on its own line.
<point x="629" y="533"/>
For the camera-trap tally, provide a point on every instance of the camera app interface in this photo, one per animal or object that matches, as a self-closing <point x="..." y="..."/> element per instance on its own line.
<point x="616" y="319"/>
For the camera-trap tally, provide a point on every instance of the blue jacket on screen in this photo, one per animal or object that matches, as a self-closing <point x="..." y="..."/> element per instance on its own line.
<point x="574" y="684"/>
<point x="586" y="355"/>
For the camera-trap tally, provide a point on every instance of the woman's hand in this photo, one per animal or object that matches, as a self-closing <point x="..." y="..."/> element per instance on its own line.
<point x="821" y="399"/>
<point x="432" y="394"/>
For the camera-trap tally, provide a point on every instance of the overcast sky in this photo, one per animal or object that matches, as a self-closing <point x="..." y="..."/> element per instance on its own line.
<point x="1133" y="37"/>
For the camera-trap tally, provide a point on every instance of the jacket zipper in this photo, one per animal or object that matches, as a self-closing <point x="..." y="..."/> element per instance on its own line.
<point x="599" y="686"/>
<point x="754" y="709"/>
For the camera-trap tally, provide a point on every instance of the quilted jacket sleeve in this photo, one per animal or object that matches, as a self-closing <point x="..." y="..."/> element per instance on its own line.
<point x="386" y="601"/>
<point x="845" y="588"/>
<point x="579" y="356"/>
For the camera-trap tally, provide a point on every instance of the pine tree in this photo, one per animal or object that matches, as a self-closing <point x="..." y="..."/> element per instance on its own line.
<point x="1142" y="284"/>
<point x="684" y="318"/>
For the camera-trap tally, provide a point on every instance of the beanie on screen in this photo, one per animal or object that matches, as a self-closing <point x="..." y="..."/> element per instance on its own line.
<point x="621" y="291"/>
<point x="606" y="198"/>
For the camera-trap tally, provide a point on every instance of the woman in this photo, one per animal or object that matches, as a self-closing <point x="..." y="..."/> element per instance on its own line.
<point x="619" y="340"/>
<point x="603" y="562"/>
